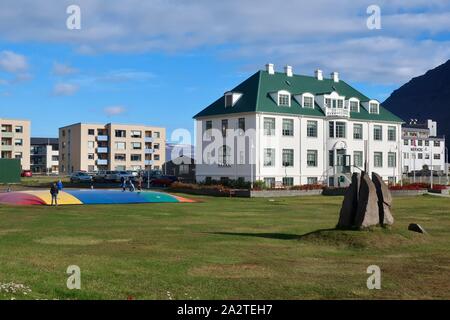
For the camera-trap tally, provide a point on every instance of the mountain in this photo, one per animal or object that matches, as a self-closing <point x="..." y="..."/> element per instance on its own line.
<point x="425" y="97"/>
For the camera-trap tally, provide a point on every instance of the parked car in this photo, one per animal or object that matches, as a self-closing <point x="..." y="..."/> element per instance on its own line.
<point x="26" y="173"/>
<point x="134" y="173"/>
<point x="162" y="181"/>
<point x="100" y="176"/>
<point x="116" y="176"/>
<point x="80" y="177"/>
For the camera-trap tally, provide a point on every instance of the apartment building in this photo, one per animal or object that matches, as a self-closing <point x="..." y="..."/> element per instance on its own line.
<point x="44" y="155"/>
<point x="288" y="129"/>
<point x="94" y="147"/>
<point x="15" y="141"/>
<point x="423" y="148"/>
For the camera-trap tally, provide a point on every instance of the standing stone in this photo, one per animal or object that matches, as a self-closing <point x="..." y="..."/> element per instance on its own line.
<point x="349" y="204"/>
<point x="384" y="200"/>
<point x="367" y="213"/>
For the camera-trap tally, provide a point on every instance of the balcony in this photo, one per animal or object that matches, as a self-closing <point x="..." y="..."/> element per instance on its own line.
<point x="148" y="139"/>
<point x="148" y="162"/>
<point x="102" y="150"/>
<point x="337" y="112"/>
<point x="7" y="147"/>
<point x="149" y="151"/>
<point x="102" y="162"/>
<point x="102" y="138"/>
<point x="7" y="134"/>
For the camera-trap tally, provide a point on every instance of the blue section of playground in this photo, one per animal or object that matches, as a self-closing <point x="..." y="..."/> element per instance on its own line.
<point x="119" y="197"/>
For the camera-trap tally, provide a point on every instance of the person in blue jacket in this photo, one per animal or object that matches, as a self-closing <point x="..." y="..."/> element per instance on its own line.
<point x="59" y="185"/>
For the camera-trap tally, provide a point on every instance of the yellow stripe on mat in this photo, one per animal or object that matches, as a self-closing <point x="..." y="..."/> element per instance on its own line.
<point x="63" y="197"/>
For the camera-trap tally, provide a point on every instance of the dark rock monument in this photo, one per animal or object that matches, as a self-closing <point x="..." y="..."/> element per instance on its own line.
<point x="366" y="203"/>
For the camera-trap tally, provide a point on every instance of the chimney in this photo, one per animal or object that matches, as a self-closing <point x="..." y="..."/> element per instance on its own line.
<point x="319" y="74"/>
<point x="288" y="70"/>
<point x="335" y="76"/>
<point x="270" y="68"/>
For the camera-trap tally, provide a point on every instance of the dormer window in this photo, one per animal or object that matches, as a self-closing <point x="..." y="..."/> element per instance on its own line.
<point x="284" y="99"/>
<point x="373" y="107"/>
<point x="308" y="102"/>
<point x="354" y="105"/>
<point x="231" y="98"/>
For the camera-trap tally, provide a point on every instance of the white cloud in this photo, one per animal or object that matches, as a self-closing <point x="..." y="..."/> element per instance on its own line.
<point x="60" y="69"/>
<point x="114" y="110"/>
<point x="12" y="62"/>
<point x="65" y="89"/>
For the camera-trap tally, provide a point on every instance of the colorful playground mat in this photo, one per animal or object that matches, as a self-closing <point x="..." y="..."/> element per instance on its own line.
<point x="74" y="197"/>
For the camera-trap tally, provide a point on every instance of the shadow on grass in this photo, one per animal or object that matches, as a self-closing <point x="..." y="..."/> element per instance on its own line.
<point x="278" y="236"/>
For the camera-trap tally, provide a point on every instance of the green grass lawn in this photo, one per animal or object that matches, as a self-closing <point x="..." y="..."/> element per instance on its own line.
<point x="223" y="248"/>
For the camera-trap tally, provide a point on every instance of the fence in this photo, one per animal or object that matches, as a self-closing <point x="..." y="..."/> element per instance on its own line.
<point x="10" y="170"/>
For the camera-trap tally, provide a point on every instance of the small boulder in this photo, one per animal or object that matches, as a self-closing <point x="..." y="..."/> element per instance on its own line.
<point x="349" y="205"/>
<point x="416" y="228"/>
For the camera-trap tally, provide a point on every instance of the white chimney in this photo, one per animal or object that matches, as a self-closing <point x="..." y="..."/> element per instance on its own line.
<point x="319" y="74"/>
<point x="270" y="68"/>
<point x="432" y="125"/>
<point x="335" y="76"/>
<point x="288" y="70"/>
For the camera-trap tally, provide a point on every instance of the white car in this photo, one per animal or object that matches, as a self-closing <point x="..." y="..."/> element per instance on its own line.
<point x="80" y="177"/>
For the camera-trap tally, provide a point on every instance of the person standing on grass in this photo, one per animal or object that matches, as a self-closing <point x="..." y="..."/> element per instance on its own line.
<point x="123" y="183"/>
<point x="54" y="192"/>
<point x="131" y="185"/>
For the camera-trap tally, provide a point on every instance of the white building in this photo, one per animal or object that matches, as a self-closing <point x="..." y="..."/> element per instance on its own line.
<point x="422" y="147"/>
<point x="44" y="155"/>
<point x="293" y="129"/>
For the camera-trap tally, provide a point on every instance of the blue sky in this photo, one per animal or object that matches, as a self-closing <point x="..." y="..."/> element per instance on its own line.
<point x="160" y="62"/>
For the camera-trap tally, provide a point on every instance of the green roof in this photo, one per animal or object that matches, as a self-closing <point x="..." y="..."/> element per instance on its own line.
<point x="256" y="97"/>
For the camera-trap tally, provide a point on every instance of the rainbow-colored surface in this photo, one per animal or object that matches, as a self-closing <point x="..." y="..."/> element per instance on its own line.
<point x="74" y="197"/>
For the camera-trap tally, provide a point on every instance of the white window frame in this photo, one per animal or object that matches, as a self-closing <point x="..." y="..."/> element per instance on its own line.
<point x="307" y="95"/>
<point x="283" y="93"/>
<point x="350" y="103"/>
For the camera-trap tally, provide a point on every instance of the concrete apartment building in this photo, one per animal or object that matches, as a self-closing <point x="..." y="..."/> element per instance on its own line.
<point x="44" y="155"/>
<point x="15" y="141"/>
<point x="95" y="147"/>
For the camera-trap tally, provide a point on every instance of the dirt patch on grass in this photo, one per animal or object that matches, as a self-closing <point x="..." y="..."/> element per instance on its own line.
<point x="77" y="241"/>
<point x="8" y="231"/>
<point x="234" y="271"/>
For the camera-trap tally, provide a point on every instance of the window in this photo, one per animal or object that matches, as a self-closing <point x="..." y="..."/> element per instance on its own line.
<point x="357" y="131"/>
<point x="358" y="159"/>
<point x="427" y="156"/>
<point x="311" y="158"/>
<point x="269" y="126"/>
<point x="224" y="155"/>
<point x="420" y="143"/>
<point x="284" y="100"/>
<point x="311" y="129"/>
<point x="156" y="157"/>
<point x="288" y="181"/>
<point x="208" y="128"/>
<point x="156" y="135"/>
<point x="340" y="103"/>
<point x="120" y="134"/>
<point x="288" y="127"/>
<point x="437" y="156"/>
<point x="373" y="108"/>
<point x="18" y="155"/>
<point x="331" y="158"/>
<point x="136" y="134"/>
<point x="378" y="159"/>
<point x="91" y="132"/>
<point x="392" y="134"/>
<point x="331" y="129"/>
<point x="90" y="156"/>
<point x="328" y="103"/>
<point x="420" y="156"/>
<point x="120" y="157"/>
<point x="18" y="142"/>
<point x="136" y="157"/>
<point x="136" y="145"/>
<point x="120" y="145"/>
<point x="406" y="142"/>
<point x="311" y="180"/>
<point x="228" y="100"/>
<point x="224" y="127"/>
<point x="437" y="143"/>
<point x="354" y="106"/>
<point x="269" y="182"/>
<point x="288" y="157"/>
<point x="156" y="146"/>
<point x="241" y="126"/>
<point x="91" y="144"/>
<point x="19" y="129"/>
<point x="308" y="102"/>
<point x="378" y="133"/>
<point x="269" y="157"/>
<point x="427" y="143"/>
<point x="340" y="129"/>
<point x="392" y="159"/>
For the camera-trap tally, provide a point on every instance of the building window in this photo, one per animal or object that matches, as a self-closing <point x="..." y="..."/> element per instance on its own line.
<point x="284" y="100"/>
<point x="120" y="157"/>
<point x="392" y="159"/>
<point x="427" y="143"/>
<point x="136" y="134"/>
<point x="120" y="134"/>
<point x="18" y="155"/>
<point x="354" y="106"/>
<point x="91" y="132"/>
<point x="225" y="155"/>
<point x="406" y="142"/>
<point x="269" y="126"/>
<point x="311" y="129"/>
<point x="136" y="157"/>
<point x="358" y="159"/>
<point x="228" y="100"/>
<point x="288" y="127"/>
<point x="340" y="130"/>
<point x="308" y="102"/>
<point x="420" y="143"/>
<point x="427" y="156"/>
<point x="156" y="135"/>
<point x="269" y="157"/>
<point x="208" y="128"/>
<point x="90" y="156"/>
<point x="311" y="180"/>
<point x="437" y="143"/>
<point x="288" y="181"/>
<point x="378" y="133"/>
<point x="136" y="145"/>
<point x="19" y="129"/>
<point x="357" y="131"/>
<point x="120" y="145"/>
<point x="269" y="182"/>
<point x="392" y="134"/>
<point x="18" y="142"/>
<point x="241" y="126"/>
<point x="311" y="158"/>
<point x="420" y="156"/>
<point x="224" y="127"/>
<point x="373" y="108"/>
<point x="437" y="156"/>
<point x="378" y="159"/>
<point x="331" y="158"/>
<point x="156" y="157"/>
<point x="91" y="144"/>
<point x="288" y="157"/>
<point x="328" y="103"/>
<point x="331" y="129"/>
<point x="156" y="146"/>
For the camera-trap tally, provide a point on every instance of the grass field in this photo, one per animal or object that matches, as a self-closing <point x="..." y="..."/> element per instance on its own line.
<point x="223" y="248"/>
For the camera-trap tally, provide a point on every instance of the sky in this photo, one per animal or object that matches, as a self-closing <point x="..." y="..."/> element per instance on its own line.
<point x="159" y="62"/>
